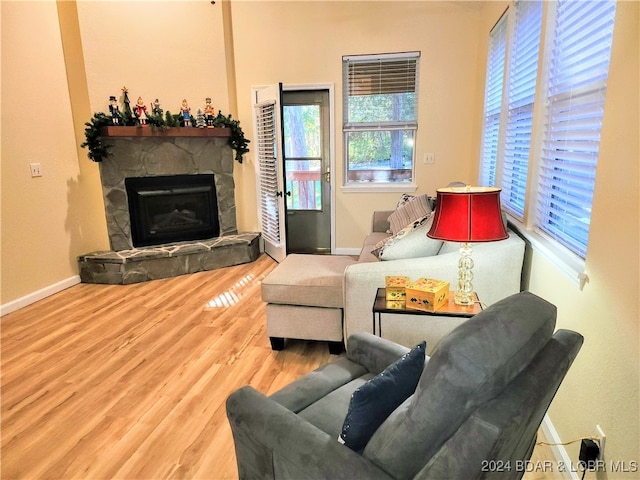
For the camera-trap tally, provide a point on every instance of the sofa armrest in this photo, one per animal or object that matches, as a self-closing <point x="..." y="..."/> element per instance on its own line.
<point x="311" y="387"/>
<point x="373" y="353"/>
<point x="379" y="222"/>
<point x="273" y="442"/>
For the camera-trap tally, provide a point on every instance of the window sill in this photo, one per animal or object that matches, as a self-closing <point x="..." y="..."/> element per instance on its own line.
<point x="563" y="259"/>
<point x="372" y="187"/>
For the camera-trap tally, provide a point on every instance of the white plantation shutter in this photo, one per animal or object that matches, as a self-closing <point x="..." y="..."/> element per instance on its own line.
<point x="521" y="89"/>
<point x="493" y="102"/>
<point x="577" y="82"/>
<point x="266" y="151"/>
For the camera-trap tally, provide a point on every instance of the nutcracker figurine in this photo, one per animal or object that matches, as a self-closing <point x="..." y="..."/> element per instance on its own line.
<point x="185" y="112"/>
<point x="141" y="112"/>
<point x="114" y="110"/>
<point x="209" y="112"/>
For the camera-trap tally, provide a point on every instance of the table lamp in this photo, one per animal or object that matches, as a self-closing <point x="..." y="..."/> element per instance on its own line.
<point x="467" y="214"/>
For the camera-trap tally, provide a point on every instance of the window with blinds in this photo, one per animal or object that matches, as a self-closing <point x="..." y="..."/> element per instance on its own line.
<point x="577" y="82"/>
<point x="575" y="66"/>
<point x="521" y="89"/>
<point x="493" y="102"/>
<point x="380" y="117"/>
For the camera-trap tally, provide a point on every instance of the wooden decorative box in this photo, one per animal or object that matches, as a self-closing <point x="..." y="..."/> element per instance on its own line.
<point x="427" y="294"/>
<point x="395" y="287"/>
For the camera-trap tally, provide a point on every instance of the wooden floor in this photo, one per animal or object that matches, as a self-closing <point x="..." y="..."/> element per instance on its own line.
<point x="130" y="382"/>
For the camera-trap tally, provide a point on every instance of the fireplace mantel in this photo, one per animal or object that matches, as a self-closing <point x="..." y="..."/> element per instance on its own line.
<point x="220" y="132"/>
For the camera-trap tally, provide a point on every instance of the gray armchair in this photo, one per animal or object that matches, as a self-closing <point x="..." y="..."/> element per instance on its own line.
<point x="478" y="404"/>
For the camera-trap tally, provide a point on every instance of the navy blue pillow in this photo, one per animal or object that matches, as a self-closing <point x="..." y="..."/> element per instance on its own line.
<point x="374" y="401"/>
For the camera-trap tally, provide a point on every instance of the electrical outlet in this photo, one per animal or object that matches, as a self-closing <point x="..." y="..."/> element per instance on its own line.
<point x="601" y="441"/>
<point x="429" y="158"/>
<point x="36" y="170"/>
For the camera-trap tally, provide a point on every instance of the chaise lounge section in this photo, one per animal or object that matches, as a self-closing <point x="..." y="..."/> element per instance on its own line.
<point x="305" y="301"/>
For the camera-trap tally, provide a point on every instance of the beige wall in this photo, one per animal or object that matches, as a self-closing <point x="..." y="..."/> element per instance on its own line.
<point x="165" y="49"/>
<point x="602" y="386"/>
<point x="303" y="42"/>
<point x="45" y="221"/>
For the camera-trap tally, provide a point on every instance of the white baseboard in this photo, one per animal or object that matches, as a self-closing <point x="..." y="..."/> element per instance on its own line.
<point x="39" y="295"/>
<point x="562" y="457"/>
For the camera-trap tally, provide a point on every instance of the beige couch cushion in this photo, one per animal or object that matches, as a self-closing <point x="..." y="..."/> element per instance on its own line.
<point x="369" y="246"/>
<point x="312" y="280"/>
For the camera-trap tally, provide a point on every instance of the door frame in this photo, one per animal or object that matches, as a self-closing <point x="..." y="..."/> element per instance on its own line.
<point x="332" y="143"/>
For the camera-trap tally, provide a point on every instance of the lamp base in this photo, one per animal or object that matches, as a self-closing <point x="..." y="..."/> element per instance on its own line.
<point x="464" y="293"/>
<point x="464" y="299"/>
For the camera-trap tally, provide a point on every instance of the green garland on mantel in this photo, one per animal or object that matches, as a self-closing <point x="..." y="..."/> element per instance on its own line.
<point x="99" y="150"/>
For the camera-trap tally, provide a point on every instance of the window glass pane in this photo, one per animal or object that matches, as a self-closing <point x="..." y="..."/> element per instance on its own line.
<point x="380" y="155"/>
<point x="302" y="131"/>
<point x="398" y="107"/>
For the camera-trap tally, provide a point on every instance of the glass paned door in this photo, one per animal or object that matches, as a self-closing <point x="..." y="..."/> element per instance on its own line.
<point x="307" y="170"/>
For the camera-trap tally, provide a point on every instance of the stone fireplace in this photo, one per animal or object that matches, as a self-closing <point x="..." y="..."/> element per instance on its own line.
<point x="163" y="155"/>
<point x="169" y="195"/>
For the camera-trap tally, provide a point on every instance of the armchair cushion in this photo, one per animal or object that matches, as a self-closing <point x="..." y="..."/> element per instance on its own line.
<point x="374" y="401"/>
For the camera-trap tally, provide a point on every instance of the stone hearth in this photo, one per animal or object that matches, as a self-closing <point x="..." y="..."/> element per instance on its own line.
<point x="144" y="152"/>
<point x="164" y="261"/>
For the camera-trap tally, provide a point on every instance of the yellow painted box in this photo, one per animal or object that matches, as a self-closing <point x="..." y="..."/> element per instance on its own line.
<point x="395" y="304"/>
<point x="395" y="287"/>
<point x="427" y="294"/>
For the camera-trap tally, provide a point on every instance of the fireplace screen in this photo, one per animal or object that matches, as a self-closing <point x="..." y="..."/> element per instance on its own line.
<point x="174" y="208"/>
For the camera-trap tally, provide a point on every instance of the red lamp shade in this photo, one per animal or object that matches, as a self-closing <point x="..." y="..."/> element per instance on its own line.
<point x="468" y="214"/>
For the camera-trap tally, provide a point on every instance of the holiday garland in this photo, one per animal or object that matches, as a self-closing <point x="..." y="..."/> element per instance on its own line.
<point x="99" y="150"/>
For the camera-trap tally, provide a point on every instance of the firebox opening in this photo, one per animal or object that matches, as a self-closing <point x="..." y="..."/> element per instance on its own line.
<point x="175" y="208"/>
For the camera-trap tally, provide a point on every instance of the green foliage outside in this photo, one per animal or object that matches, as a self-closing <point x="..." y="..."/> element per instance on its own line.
<point x="375" y="147"/>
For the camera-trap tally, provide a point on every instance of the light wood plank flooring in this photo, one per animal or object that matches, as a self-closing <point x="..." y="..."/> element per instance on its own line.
<point x="130" y="382"/>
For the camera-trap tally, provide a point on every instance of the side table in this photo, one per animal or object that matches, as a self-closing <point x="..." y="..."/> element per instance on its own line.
<point x="382" y="305"/>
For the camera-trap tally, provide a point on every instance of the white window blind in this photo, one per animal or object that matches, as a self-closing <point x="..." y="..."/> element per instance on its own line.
<point x="380" y="98"/>
<point x="521" y="89"/>
<point x="493" y="102"/>
<point x="372" y="79"/>
<point x="577" y="81"/>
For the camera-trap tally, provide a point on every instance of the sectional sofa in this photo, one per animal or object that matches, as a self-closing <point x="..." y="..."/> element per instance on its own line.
<point x="497" y="274"/>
